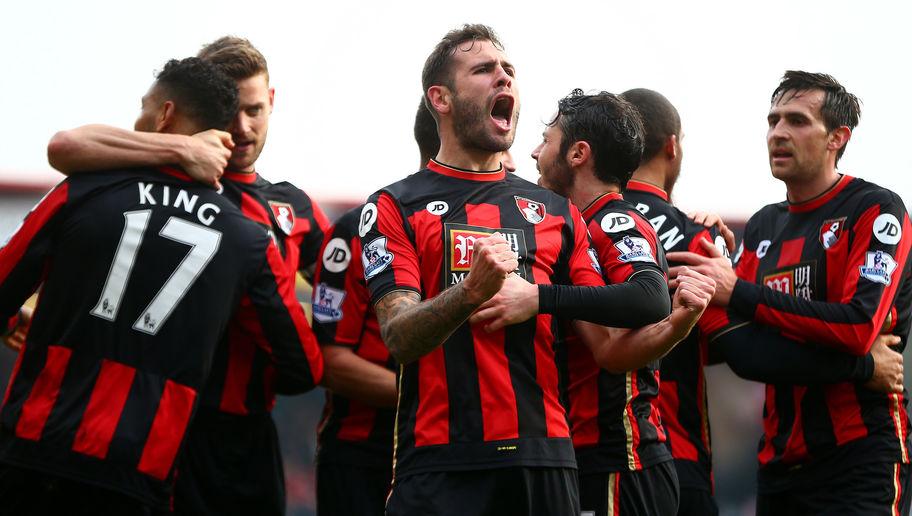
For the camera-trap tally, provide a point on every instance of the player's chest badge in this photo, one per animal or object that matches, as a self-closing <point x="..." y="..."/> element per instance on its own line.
<point x="831" y="231"/>
<point x="284" y="215"/>
<point x="532" y="211"/>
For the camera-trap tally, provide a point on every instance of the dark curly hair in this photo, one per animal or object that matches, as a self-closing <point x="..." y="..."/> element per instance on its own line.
<point x="201" y="91"/>
<point x="840" y="108"/>
<point x="610" y="125"/>
<point x="426" y="134"/>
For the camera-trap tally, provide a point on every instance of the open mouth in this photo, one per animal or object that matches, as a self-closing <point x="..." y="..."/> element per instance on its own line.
<point x="780" y="154"/>
<point x="502" y="112"/>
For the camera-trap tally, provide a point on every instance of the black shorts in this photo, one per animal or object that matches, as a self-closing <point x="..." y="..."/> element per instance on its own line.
<point x="697" y="502"/>
<point x="491" y="492"/>
<point x="871" y="489"/>
<point x="230" y="465"/>
<point x="344" y="489"/>
<point x="651" y="491"/>
<point x="24" y="491"/>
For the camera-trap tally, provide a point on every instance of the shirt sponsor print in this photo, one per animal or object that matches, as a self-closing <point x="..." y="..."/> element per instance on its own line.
<point x="616" y="222"/>
<point x="459" y="245"/>
<point x="327" y="303"/>
<point x="336" y="255"/>
<point x="878" y="267"/>
<point x="375" y="257"/>
<point x="367" y="219"/>
<point x="887" y="229"/>
<point x="795" y="280"/>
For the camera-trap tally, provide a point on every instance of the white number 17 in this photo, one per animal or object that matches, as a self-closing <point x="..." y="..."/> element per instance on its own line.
<point x="203" y="242"/>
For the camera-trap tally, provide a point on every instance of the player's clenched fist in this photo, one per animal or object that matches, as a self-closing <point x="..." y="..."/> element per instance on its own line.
<point x="694" y="291"/>
<point x="492" y="260"/>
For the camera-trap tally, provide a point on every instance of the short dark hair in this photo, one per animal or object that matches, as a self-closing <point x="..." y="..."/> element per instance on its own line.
<point x="236" y="56"/>
<point x="840" y="108"/>
<point x="426" y="133"/>
<point x="660" y="119"/>
<point x="200" y="90"/>
<point x="437" y="65"/>
<point x="612" y="128"/>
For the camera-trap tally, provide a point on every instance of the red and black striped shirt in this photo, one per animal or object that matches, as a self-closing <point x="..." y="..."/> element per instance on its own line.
<point x="351" y="431"/>
<point x="480" y="400"/>
<point x="682" y="392"/>
<point x="140" y="272"/>
<point x="242" y="380"/>
<point x="615" y="419"/>
<point x="829" y="271"/>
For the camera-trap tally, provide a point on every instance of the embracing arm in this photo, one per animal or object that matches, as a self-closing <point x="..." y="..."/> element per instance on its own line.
<point x="203" y="156"/>
<point x="351" y="376"/>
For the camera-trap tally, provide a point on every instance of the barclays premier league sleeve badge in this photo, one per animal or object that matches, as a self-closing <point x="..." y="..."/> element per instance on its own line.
<point x="878" y="267"/>
<point x="634" y="249"/>
<point x="327" y="303"/>
<point x="375" y="257"/>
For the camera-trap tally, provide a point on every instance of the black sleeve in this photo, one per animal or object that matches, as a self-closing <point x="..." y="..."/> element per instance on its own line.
<point x="761" y="354"/>
<point x="641" y="300"/>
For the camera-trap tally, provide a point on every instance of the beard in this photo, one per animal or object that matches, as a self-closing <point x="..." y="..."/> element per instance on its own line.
<point x="470" y="125"/>
<point x="559" y="177"/>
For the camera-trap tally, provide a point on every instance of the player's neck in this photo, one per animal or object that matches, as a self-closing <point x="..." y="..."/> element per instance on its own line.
<point x="801" y="191"/>
<point x="468" y="159"/>
<point x="587" y="188"/>
<point x="651" y="172"/>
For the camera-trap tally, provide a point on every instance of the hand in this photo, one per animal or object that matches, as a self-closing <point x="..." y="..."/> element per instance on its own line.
<point x="713" y="219"/>
<point x="492" y="260"/>
<point x="16" y="340"/>
<point x="694" y="291"/>
<point x="715" y="266"/>
<point x="207" y="155"/>
<point x="516" y="302"/>
<point x="888" y="366"/>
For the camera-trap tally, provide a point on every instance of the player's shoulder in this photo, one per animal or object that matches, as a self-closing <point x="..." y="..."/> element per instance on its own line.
<point x="287" y="192"/>
<point x="348" y="222"/>
<point x="869" y="194"/>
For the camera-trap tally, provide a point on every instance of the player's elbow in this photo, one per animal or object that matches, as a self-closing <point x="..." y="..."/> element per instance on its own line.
<point x="60" y="150"/>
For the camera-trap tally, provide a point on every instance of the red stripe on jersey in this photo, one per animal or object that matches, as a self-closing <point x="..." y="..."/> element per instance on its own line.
<point x="432" y="419"/>
<point x="253" y="210"/>
<point x="240" y="363"/>
<point x="285" y="283"/>
<point x="167" y="430"/>
<point x="845" y="412"/>
<point x="695" y="246"/>
<point x="795" y="447"/>
<point x="499" y="415"/>
<point x="240" y="177"/>
<point x="770" y="426"/>
<point x="641" y="186"/>
<point x="582" y="270"/>
<point x="679" y="442"/>
<point x="823" y="198"/>
<point x="41" y="400"/>
<point x="320" y="218"/>
<point x="746" y="268"/>
<point x="104" y="409"/>
<point x="548" y="245"/>
<point x="582" y="382"/>
<point x="359" y="422"/>
<point x="406" y="264"/>
<point x="633" y="443"/>
<point x="791" y="252"/>
<point x="15" y="249"/>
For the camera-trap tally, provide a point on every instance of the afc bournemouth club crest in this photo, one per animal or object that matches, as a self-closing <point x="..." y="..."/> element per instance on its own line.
<point x="284" y="215"/>
<point x="831" y="232"/>
<point x="532" y="211"/>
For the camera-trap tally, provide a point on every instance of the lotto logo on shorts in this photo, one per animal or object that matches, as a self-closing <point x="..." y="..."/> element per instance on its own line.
<point x="459" y="246"/>
<point x="796" y="280"/>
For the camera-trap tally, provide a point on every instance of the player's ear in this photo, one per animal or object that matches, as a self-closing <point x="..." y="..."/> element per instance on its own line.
<point x="441" y="99"/>
<point x="166" y="117"/>
<point x="271" y="99"/>
<point x="838" y="138"/>
<point x="579" y="153"/>
<point x="671" y="147"/>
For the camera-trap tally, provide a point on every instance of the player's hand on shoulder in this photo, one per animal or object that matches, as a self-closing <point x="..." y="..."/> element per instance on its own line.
<point x="516" y="302"/>
<point x="207" y="155"/>
<point x="710" y="220"/>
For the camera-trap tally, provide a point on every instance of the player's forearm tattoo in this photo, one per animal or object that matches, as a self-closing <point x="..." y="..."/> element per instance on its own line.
<point x="412" y="328"/>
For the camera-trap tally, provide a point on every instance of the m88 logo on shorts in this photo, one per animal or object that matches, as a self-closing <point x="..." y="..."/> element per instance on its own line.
<point x="795" y="280"/>
<point x="459" y="244"/>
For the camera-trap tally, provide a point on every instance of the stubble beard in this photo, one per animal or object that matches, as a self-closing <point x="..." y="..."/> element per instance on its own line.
<point x="471" y="131"/>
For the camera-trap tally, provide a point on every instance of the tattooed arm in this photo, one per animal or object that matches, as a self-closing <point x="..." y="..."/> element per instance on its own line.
<point x="412" y="328"/>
